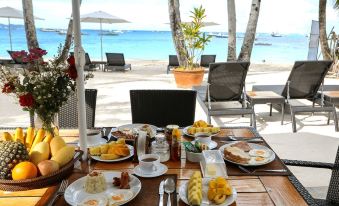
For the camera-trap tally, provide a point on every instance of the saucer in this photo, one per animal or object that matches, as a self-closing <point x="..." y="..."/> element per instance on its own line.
<point x="161" y="169"/>
<point x="211" y="145"/>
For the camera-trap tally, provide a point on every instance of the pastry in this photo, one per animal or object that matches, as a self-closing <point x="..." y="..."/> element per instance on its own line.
<point x="95" y="183"/>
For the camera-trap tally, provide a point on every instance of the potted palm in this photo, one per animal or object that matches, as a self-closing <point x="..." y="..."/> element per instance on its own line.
<point x="191" y="74"/>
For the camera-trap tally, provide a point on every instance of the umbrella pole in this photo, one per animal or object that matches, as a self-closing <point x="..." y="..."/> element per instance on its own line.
<point x="101" y="39"/>
<point x="80" y="62"/>
<point x="9" y="33"/>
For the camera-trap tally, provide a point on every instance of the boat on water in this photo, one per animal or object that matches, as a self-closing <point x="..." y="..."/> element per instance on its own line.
<point x="112" y="33"/>
<point x="263" y="44"/>
<point x="48" y="30"/>
<point x="218" y="35"/>
<point x="62" y="32"/>
<point x="276" y="34"/>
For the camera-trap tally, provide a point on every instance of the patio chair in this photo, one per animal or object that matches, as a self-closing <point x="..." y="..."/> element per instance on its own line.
<point x="116" y="61"/>
<point x="225" y="91"/>
<point x="68" y="114"/>
<point x="163" y="107"/>
<point x="303" y="83"/>
<point x="89" y="66"/>
<point x="206" y="60"/>
<point x="333" y="189"/>
<point x="172" y="62"/>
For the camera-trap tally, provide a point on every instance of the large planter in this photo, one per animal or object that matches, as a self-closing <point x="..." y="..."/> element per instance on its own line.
<point x="188" y="78"/>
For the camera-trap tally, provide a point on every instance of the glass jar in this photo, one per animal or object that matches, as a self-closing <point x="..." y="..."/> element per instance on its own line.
<point x="168" y="132"/>
<point x="161" y="147"/>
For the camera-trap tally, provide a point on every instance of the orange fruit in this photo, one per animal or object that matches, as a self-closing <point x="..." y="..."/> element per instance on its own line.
<point x="24" y="170"/>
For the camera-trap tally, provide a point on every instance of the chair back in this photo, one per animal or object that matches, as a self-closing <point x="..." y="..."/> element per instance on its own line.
<point x="68" y="114"/>
<point x="15" y="59"/>
<point x="163" y="107"/>
<point x="226" y="80"/>
<point x="206" y="60"/>
<point x="306" y="78"/>
<point x="115" y="59"/>
<point x="333" y="190"/>
<point x="173" y="61"/>
<point x="87" y="59"/>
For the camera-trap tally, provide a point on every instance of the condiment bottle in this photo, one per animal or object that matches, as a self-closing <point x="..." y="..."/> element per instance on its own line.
<point x="176" y="145"/>
<point x="161" y="147"/>
<point x="168" y="132"/>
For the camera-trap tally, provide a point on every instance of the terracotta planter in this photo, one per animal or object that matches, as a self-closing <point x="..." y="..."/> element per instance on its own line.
<point x="188" y="78"/>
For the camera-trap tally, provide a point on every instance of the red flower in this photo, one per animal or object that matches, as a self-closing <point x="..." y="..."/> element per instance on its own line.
<point x="72" y="72"/>
<point x="8" y="88"/>
<point x="38" y="52"/>
<point x="71" y="60"/>
<point x="20" y="55"/>
<point x="26" y="100"/>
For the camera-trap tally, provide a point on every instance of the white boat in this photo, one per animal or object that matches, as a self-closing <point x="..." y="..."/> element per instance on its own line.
<point x="221" y="35"/>
<point x="263" y="44"/>
<point x="276" y="34"/>
<point x="62" y="32"/>
<point x="112" y="33"/>
<point x="48" y="30"/>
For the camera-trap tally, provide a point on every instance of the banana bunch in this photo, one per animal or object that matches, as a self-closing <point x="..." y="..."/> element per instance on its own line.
<point x="194" y="189"/>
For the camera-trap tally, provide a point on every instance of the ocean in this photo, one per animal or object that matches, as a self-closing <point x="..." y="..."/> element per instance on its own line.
<point x="157" y="45"/>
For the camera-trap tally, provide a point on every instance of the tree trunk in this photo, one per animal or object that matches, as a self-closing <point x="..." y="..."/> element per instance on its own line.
<point x="247" y="45"/>
<point x="32" y="41"/>
<point x="68" y="42"/>
<point x="325" y="50"/>
<point x="177" y="35"/>
<point x="232" y="29"/>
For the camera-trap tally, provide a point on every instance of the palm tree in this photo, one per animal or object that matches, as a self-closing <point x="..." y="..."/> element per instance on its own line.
<point x="177" y="35"/>
<point x="247" y="45"/>
<point x="336" y="4"/>
<point x="325" y="50"/>
<point x="232" y="51"/>
<point x="32" y="41"/>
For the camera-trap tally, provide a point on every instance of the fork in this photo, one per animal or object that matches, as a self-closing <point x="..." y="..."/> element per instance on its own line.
<point x="61" y="190"/>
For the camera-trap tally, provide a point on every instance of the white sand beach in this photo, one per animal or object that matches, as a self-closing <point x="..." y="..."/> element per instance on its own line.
<point x="315" y="140"/>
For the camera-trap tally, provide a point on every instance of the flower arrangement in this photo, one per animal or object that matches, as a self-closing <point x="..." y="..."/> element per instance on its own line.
<point x="40" y="87"/>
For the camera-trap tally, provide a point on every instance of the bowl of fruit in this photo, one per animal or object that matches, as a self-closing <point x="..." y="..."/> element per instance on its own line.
<point x="34" y="159"/>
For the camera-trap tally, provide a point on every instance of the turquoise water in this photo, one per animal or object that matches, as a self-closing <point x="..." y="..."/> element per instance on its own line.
<point x="157" y="45"/>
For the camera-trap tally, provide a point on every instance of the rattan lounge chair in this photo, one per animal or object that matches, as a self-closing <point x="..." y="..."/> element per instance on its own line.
<point x="206" y="60"/>
<point x="116" y="61"/>
<point x="163" y="107"/>
<point x="225" y="92"/>
<point x="89" y="66"/>
<point x="172" y="62"/>
<point x="303" y="83"/>
<point x="333" y="189"/>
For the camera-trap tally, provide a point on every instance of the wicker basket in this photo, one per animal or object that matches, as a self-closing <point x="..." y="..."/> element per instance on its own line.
<point x="42" y="181"/>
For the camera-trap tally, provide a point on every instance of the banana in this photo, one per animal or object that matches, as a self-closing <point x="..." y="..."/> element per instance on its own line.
<point x="19" y="135"/>
<point x="29" y="137"/>
<point x="48" y="137"/>
<point x="38" y="138"/>
<point x="7" y="136"/>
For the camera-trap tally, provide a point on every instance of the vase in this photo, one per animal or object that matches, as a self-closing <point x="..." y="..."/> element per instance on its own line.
<point x="38" y="122"/>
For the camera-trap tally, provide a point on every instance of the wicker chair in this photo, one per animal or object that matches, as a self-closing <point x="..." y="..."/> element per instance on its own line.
<point x="172" y="62"/>
<point x="225" y="92"/>
<point x="206" y="60"/>
<point x="116" y="61"/>
<point x="163" y="107"/>
<point x="333" y="190"/>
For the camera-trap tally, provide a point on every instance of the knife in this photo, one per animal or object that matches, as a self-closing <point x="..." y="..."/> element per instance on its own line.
<point x="161" y="193"/>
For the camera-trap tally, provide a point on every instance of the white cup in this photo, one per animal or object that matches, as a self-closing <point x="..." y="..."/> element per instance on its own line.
<point x="149" y="162"/>
<point x="203" y="137"/>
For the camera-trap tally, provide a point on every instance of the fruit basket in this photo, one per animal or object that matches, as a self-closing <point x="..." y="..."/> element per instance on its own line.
<point x="41" y="181"/>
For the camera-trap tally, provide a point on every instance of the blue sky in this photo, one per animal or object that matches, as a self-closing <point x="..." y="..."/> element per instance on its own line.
<point x="284" y="16"/>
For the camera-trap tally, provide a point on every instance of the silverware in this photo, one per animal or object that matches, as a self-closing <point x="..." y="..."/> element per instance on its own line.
<point x="254" y="140"/>
<point x="169" y="188"/>
<point x="61" y="190"/>
<point x="161" y="193"/>
<point x="260" y="170"/>
<point x="234" y="138"/>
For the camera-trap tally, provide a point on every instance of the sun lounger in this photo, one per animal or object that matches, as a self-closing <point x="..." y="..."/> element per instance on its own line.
<point x="89" y="66"/>
<point x="116" y="61"/>
<point x="224" y="94"/>
<point x="206" y="60"/>
<point x="172" y="62"/>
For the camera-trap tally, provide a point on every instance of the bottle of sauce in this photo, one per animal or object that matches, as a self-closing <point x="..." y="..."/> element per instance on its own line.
<point x="176" y="145"/>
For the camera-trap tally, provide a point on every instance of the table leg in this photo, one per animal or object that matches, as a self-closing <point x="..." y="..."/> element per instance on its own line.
<point x="282" y="113"/>
<point x="271" y="105"/>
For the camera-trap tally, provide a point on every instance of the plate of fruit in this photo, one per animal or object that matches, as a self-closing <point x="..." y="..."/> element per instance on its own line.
<point x="207" y="191"/>
<point x="103" y="188"/>
<point x="200" y="126"/>
<point x="34" y="159"/>
<point x="113" y="151"/>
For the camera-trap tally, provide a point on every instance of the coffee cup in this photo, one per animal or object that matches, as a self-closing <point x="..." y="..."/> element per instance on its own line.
<point x="149" y="162"/>
<point x="203" y="137"/>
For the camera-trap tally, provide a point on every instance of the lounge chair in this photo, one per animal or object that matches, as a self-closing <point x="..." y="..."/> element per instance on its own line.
<point x="206" y="60"/>
<point x="332" y="197"/>
<point x="89" y="66"/>
<point x="172" y="62"/>
<point x="303" y="83"/>
<point x="163" y="107"/>
<point x="116" y="61"/>
<point x="225" y="92"/>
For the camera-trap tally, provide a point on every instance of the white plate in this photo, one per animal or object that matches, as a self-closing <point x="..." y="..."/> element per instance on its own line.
<point x="137" y="126"/>
<point x="183" y="194"/>
<point x="211" y="145"/>
<point x="269" y="159"/>
<point x="131" y="153"/>
<point x="75" y="192"/>
<point x="92" y="141"/>
<point x="192" y="135"/>
<point x="161" y="169"/>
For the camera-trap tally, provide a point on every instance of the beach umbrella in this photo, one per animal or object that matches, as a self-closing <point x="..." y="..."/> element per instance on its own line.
<point x="79" y="55"/>
<point x="11" y="13"/>
<point x="101" y="17"/>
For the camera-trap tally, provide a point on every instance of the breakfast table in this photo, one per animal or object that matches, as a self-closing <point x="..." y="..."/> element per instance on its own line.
<point x="252" y="188"/>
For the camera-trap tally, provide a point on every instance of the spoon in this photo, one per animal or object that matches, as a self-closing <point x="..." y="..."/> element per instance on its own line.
<point x="169" y="188"/>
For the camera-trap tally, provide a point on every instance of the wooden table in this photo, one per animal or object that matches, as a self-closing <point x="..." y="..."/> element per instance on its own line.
<point x="252" y="190"/>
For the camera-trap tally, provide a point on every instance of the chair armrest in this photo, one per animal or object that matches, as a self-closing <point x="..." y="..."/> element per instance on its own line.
<point x="308" y="164"/>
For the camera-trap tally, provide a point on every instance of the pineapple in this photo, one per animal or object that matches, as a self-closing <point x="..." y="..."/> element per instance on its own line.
<point x="11" y="153"/>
